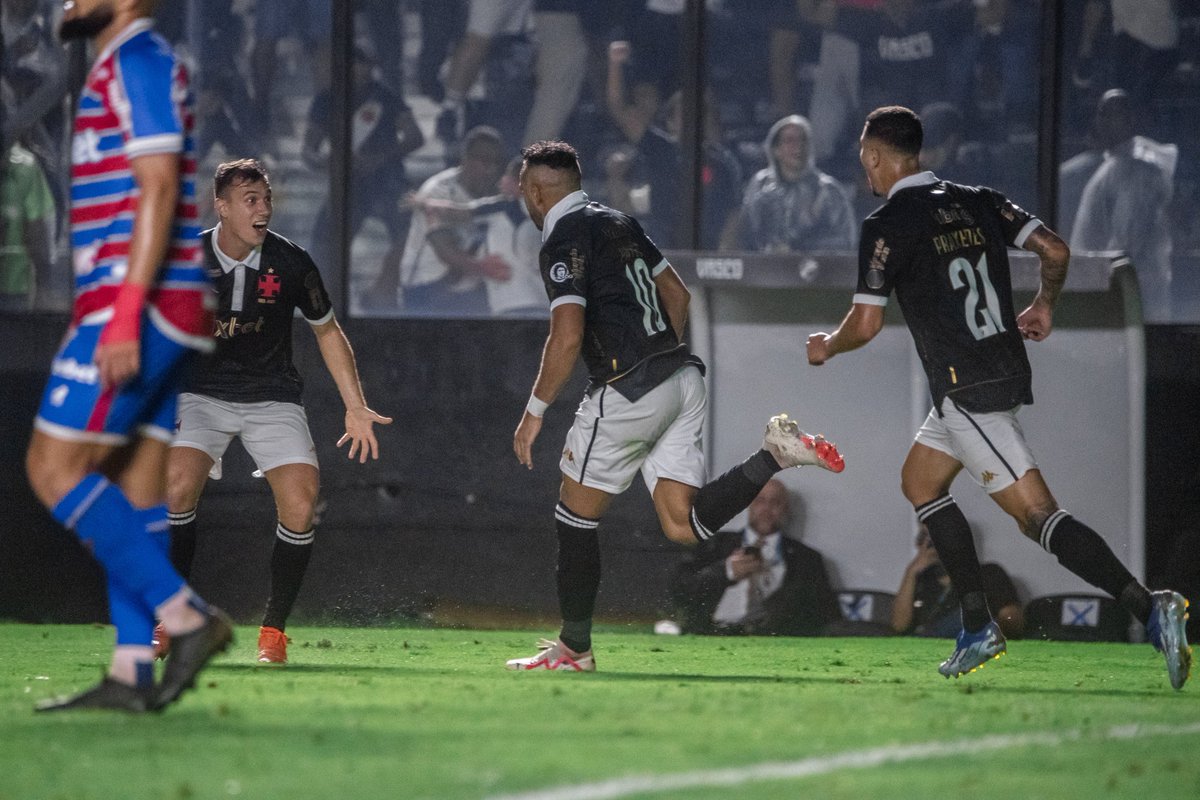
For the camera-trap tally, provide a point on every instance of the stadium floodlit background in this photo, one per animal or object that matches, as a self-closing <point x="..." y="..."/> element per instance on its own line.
<point x="354" y="105"/>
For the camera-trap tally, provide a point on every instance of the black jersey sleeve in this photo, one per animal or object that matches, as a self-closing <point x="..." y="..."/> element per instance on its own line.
<point x="1016" y="222"/>
<point x="650" y="253"/>
<point x="564" y="264"/>
<point x="312" y="300"/>
<point x="876" y="266"/>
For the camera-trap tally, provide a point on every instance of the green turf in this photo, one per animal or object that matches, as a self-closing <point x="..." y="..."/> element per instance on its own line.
<point x="415" y="713"/>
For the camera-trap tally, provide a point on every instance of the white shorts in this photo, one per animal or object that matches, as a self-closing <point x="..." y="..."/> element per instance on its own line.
<point x="990" y="446"/>
<point x="662" y="434"/>
<point x="274" y="434"/>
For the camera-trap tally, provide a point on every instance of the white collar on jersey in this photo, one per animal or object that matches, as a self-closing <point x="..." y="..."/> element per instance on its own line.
<point x="128" y="32"/>
<point x="572" y="202"/>
<point x="909" y="181"/>
<point x="227" y="263"/>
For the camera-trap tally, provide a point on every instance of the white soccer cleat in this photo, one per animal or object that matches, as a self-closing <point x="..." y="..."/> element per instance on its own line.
<point x="792" y="447"/>
<point x="556" y="656"/>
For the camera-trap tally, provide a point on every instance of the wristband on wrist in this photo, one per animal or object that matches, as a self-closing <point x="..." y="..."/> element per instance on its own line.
<point x="536" y="407"/>
<point x="126" y="322"/>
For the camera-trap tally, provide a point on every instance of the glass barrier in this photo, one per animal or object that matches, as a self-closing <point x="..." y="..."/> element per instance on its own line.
<point x="1131" y="151"/>
<point x="791" y="84"/>
<point x="444" y="93"/>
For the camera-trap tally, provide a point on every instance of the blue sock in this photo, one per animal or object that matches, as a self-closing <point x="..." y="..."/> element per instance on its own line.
<point x="101" y="516"/>
<point x="132" y="619"/>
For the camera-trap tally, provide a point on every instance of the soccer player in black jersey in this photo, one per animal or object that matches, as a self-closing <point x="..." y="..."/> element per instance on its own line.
<point x="943" y="249"/>
<point x="250" y="388"/>
<point x="616" y="301"/>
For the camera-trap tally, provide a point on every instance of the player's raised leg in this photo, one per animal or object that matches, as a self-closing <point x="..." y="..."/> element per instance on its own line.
<point x="784" y="446"/>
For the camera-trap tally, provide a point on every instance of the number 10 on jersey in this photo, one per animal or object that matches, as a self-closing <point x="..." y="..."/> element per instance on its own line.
<point x="647" y="296"/>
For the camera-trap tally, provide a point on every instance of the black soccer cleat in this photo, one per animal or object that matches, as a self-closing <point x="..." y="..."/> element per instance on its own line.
<point x="107" y="695"/>
<point x="189" y="653"/>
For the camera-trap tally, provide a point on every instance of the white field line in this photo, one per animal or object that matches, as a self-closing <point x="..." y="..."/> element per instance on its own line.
<point x="852" y="759"/>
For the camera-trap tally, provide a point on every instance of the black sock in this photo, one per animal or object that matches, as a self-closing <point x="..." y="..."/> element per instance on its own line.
<point x="289" y="561"/>
<point x="720" y="500"/>
<point x="183" y="541"/>
<point x="578" y="577"/>
<point x="1083" y="551"/>
<point x="951" y="537"/>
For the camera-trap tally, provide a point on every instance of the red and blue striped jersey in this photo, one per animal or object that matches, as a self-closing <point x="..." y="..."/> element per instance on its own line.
<point x="136" y="102"/>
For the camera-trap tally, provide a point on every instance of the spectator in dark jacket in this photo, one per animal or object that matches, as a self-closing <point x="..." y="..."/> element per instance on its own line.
<point x="755" y="581"/>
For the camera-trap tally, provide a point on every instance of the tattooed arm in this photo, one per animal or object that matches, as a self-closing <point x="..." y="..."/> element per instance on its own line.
<point x="1036" y="321"/>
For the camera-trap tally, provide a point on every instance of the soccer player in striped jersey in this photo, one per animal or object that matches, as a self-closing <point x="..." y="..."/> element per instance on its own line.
<point x="943" y="249"/>
<point x="97" y="458"/>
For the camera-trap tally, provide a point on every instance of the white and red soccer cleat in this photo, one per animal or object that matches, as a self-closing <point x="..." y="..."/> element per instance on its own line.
<point x="554" y="655"/>
<point x="792" y="447"/>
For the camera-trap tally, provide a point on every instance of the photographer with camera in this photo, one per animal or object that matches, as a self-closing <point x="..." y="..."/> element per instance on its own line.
<point x="757" y="581"/>
<point x="926" y="604"/>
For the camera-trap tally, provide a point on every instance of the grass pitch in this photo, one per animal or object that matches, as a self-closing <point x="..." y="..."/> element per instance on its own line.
<point x="420" y="713"/>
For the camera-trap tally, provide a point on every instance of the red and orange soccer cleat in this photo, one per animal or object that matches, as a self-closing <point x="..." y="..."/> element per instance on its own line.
<point x="272" y="645"/>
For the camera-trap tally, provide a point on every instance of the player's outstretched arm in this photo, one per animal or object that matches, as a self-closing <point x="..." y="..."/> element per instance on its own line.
<point x="861" y="325"/>
<point x="1037" y="321"/>
<point x="558" y="359"/>
<point x="360" y="419"/>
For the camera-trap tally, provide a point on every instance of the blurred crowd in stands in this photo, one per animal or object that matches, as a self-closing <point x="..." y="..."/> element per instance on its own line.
<point x="445" y="93"/>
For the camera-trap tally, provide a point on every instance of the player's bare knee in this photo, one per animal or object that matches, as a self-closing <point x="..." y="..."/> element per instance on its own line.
<point x="1033" y="519"/>
<point x="295" y="506"/>
<point x="914" y="490"/>
<point x="50" y="480"/>
<point x="679" y="533"/>
<point x="41" y="478"/>
<point x="183" y="490"/>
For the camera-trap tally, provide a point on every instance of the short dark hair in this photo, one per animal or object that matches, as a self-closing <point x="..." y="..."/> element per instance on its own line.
<point x="552" y="154"/>
<point x="233" y="173"/>
<point x="897" y="127"/>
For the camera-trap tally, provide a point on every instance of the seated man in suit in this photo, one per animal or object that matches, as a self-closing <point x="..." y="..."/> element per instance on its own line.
<point x="757" y="580"/>
<point x="927" y="606"/>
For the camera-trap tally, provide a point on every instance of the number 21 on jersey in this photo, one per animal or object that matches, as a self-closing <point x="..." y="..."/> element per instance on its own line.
<point x="985" y="320"/>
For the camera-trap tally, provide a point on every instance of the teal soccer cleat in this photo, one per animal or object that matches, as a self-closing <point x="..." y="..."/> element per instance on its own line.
<point x="973" y="650"/>
<point x="1168" y="634"/>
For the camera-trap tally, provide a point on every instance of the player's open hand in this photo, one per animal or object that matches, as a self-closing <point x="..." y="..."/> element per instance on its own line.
<point x="118" y="362"/>
<point x="361" y="433"/>
<point x="818" y="348"/>
<point x="523" y="439"/>
<point x="1036" y="322"/>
